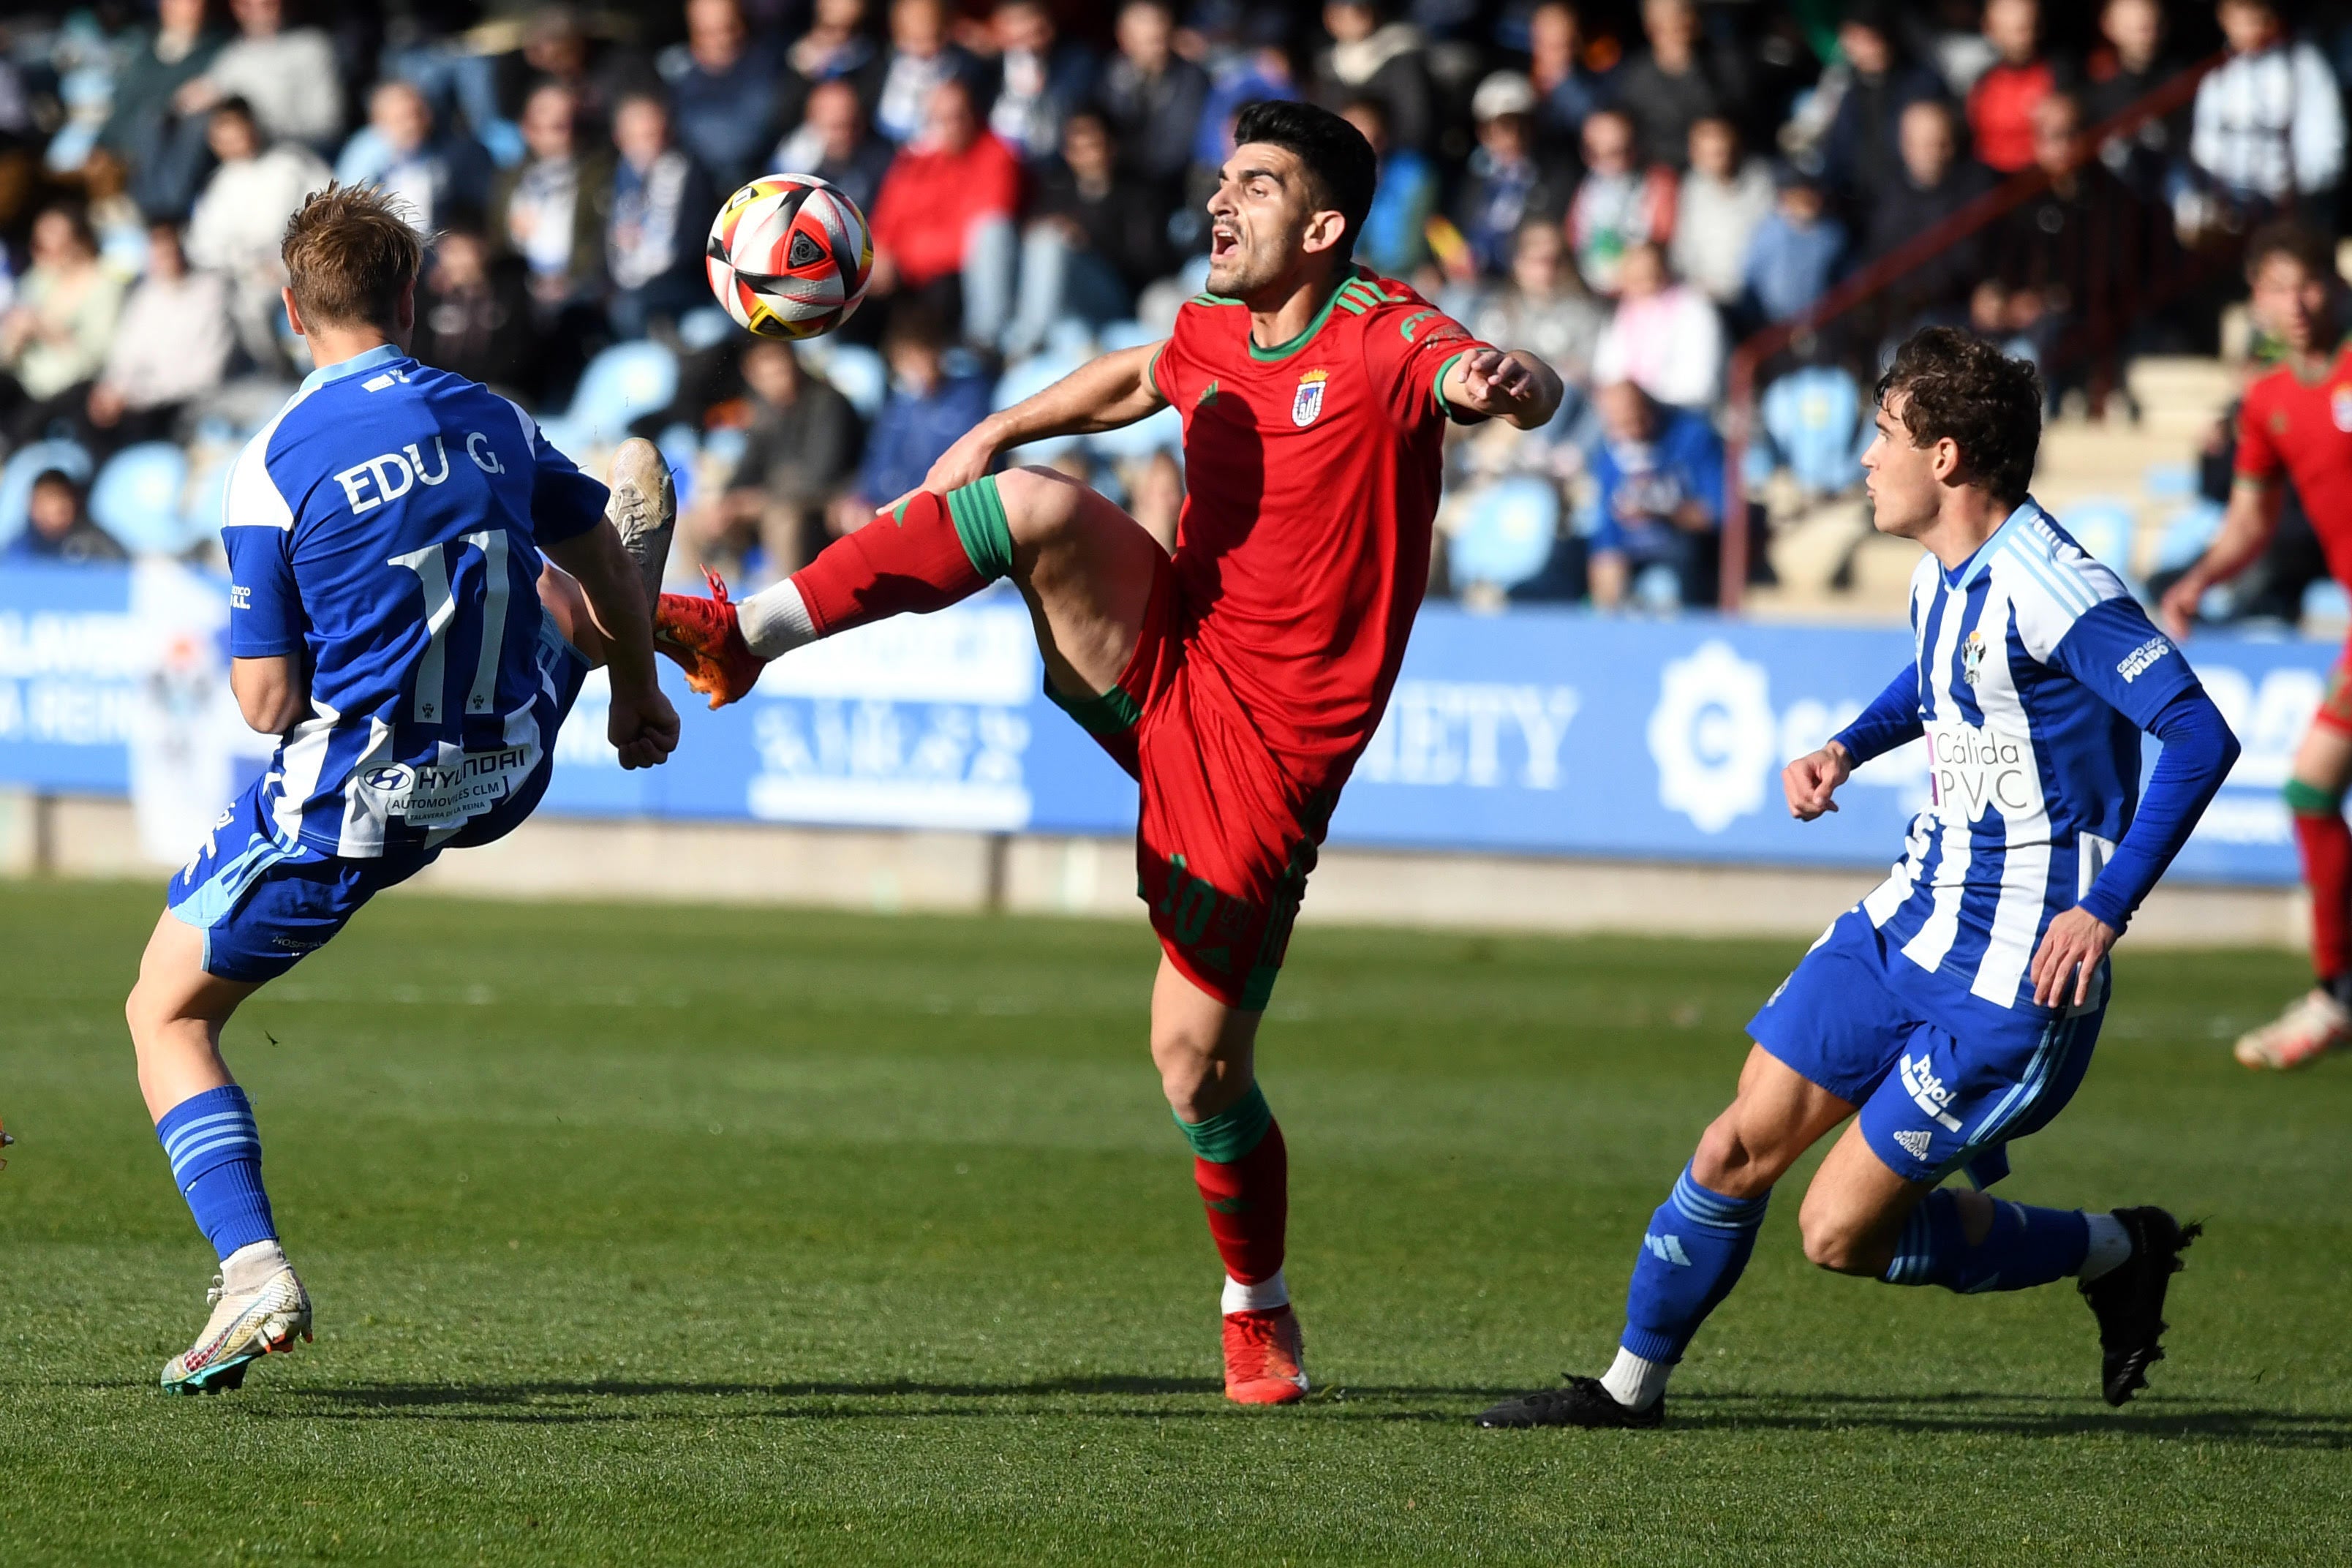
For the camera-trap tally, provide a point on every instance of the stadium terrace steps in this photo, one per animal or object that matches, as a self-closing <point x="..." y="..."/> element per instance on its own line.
<point x="2113" y="460"/>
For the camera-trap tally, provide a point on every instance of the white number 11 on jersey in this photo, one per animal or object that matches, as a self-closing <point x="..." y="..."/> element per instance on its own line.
<point x="431" y="569"/>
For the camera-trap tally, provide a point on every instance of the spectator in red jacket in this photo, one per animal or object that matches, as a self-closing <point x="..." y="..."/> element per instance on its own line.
<point x="2002" y="104"/>
<point x="943" y="222"/>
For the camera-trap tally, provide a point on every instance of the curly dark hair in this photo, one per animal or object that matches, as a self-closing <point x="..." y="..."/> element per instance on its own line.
<point x="1956" y="385"/>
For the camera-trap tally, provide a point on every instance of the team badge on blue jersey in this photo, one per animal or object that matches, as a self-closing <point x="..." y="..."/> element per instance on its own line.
<point x="1972" y="657"/>
<point x="1308" y="401"/>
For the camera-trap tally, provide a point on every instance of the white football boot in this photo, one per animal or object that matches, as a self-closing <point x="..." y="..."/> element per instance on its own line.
<point x="2314" y="1024"/>
<point x="642" y="508"/>
<point x="245" y="1324"/>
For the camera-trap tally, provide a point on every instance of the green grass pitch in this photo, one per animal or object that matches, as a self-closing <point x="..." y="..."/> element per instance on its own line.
<point x="678" y="1234"/>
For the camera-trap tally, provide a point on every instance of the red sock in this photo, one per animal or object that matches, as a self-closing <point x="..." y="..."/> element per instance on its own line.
<point x="1249" y="1206"/>
<point x="913" y="562"/>
<point x="2328" y="869"/>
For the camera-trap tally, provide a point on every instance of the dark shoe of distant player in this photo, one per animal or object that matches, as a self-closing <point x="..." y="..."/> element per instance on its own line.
<point x="1584" y="1402"/>
<point x="2129" y="1300"/>
<point x="702" y="635"/>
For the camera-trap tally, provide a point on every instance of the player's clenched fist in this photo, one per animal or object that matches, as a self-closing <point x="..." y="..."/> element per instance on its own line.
<point x="1812" y="779"/>
<point x="643" y="728"/>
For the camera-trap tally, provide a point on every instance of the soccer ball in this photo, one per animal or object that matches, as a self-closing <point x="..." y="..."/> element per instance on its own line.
<point x="790" y="256"/>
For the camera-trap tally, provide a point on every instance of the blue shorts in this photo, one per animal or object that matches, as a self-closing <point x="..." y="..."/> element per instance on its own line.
<point x="1941" y="1085"/>
<point x="263" y="902"/>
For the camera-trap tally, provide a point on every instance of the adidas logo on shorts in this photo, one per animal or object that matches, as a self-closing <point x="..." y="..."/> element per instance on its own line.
<point x="1916" y="1141"/>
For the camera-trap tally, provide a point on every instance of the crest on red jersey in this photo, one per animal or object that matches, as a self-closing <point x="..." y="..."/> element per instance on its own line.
<point x="1308" y="401"/>
<point x="2340" y="407"/>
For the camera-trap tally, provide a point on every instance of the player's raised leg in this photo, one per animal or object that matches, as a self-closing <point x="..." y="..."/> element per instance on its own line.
<point x="208" y="1133"/>
<point x="1206" y="1054"/>
<point x="2320" y="1020"/>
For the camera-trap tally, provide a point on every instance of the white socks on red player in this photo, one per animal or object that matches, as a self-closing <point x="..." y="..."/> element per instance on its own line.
<point x="1262" y="1297"/>
<point x="774" y="621"/>
<point x="1634" y="1382"/>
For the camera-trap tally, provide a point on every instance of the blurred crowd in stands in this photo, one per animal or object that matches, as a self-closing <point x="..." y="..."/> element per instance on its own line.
<point x="1631" y="188"/>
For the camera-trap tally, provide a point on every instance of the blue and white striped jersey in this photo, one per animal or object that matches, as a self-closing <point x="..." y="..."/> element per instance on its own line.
<point x="2035" y="674"/>
<point x="386" y="525"/>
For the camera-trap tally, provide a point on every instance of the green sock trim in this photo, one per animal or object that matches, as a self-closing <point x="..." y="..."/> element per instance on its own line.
<point x="2310" y="800"/>
<point x="1232" y="1132"/>
<point x="978" y="513"/>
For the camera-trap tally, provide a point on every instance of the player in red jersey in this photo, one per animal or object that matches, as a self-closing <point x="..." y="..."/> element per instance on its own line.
<point x="1239" y="681"/>
<point x="2296" y="425"/>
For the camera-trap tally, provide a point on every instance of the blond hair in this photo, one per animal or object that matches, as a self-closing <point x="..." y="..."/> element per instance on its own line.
<point x="351" y="252"/>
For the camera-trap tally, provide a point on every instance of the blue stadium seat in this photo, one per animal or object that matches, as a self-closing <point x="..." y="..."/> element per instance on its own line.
<point x="2326" y="602"/>
<point x="1813" y="421"/>
<point x="1161" y="431"/>
<point x="1026" y="378"/>
<point x="1507" y="535"/>
<point x="622" y="383"/>
<point x="137" y="499"/>
<point x="2170" y="482"/>
<point x="1116" y="335"/>
<point x="2186" y="535"/>
<point x="705" y="328"/>
<point x="207" y="497"/>
<point x="2104" y="528"/>
<point x="29" y="464"/>
<point x="857" y="373"/>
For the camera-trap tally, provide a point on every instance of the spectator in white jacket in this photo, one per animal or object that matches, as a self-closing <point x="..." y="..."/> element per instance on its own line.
<point x="1717" y="207"/>
<point x="240" y="219"/>
<point x="1665" y="338"/>
<point x="171" y="346"/>
<point x="289" y="75"/>
<point x="2268" y="130"/>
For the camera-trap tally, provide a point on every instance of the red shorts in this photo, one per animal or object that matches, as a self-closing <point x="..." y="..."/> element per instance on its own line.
<point x="2336" y="707"/>
<point x="1225" y="838"/>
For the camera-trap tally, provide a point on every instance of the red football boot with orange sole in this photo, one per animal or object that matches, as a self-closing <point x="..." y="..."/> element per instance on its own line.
<point x="703" y="636"/>
<point x="1265" y="1358"/>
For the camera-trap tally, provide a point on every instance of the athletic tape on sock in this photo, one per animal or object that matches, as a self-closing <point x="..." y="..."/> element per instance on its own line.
<point x="1232" y="1132"/>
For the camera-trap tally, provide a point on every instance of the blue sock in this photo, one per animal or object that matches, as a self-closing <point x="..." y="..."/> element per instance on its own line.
<point x="1697" y="1243"/>
<point x="215" y="1154"/>
<point x="2025" y="1247"/>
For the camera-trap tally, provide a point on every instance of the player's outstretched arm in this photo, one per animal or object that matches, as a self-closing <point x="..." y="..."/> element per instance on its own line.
<point x="1102" y="394"/>
<point x="2246" y="530"/>
<point x="642" y="725"/>
<point x="1509" y="385"/>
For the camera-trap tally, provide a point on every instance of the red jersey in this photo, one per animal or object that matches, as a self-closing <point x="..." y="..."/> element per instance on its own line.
<point x="1312" y="474"/>
<point x="2305" y="430"/>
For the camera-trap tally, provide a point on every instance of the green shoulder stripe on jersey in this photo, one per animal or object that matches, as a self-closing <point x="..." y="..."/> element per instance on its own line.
<point x="1113" y="713"/>
<point x="1232" y="1132"/>
<point x="1213" y="299"/>
<point x="978" y="513"/>
<point x="1151" y="372"/>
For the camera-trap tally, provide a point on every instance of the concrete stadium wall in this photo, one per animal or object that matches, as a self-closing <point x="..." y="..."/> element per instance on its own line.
<point x="890" y="871"/>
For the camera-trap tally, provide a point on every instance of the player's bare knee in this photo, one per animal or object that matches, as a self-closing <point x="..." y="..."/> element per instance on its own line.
<point x="1041" y="506"/>
<point x="1836" y="1242"/>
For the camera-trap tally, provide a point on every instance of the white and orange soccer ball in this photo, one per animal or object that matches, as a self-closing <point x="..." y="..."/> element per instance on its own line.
<point x="790" y="256"/>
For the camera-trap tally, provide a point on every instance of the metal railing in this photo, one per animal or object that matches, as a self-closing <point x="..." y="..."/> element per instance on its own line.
<point x="2097" y="336"/>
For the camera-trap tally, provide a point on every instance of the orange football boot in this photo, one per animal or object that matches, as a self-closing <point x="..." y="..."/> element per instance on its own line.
<point x="703" y="636"/>
<point x="1265" y="1358"/>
